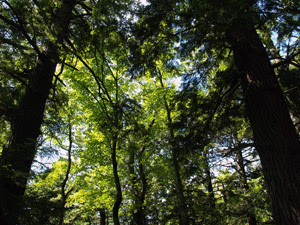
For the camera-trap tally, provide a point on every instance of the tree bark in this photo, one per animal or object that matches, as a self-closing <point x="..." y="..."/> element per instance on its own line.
<point x="280" y="71"/>
<point x="119" y="197"/>
<point x="65" y="194"/>
<point x="208" y="179"/>
<point x="102" y="216"/>
<point x="139" y="217"/>
<point x="183" y="214"/>
<point x="244" y="183"/>
<point x="275" y="137"/>
<point x="139" y="195"/>
<point x="17" y="156"/>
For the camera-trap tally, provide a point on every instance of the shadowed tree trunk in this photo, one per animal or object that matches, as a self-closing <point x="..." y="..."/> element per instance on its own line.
<point x="138" y="193"/>
<point x="119" y="197"/>
<point x="17" y="156"/>
<point x="65" y="194"/>
<point x="208" y="179"/>
<point x="102" y="216"/>
<point x="275" y="137"/>
<point x="139" y="217"/>
<point x="244" y="183"/>
<point x="281" y="69"/>
<point x="183" y="214"/>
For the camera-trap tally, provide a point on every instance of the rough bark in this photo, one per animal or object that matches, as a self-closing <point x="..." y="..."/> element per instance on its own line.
<point x="274" y="133"/>
<point x="281" y="69"/>
<point x="17" y="156"/>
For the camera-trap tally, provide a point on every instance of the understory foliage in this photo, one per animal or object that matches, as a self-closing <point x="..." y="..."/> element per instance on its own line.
<point x="145" y="122"/>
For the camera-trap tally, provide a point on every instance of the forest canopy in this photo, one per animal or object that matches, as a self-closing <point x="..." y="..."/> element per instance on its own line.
<point x="149" y="112"/>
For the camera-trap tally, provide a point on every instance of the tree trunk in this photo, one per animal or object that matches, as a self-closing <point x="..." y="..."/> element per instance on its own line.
<point x="208" y="179"/>
<point x="17" y="156"/>
<point x="65" y="194"/>
<point x="244" y="183"/>
<point x="102" y="216"/>
<point x="280" y="71"/>
<point x="119" y="197"/>
<point x="139" y="195"/>
<point x="274" y="133"/>
<point x="183" y="215"/>
<point x="140" y="215"/>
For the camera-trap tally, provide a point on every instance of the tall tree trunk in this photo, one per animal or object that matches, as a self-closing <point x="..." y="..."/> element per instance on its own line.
<point x="280" y="71"/>
<point x="275" y="137"/>
<point x="244" y="183"/>
<point x="102" y="216"/>
<point x="17" y="156"/>
<point x="139" y="195"/>
<point x="65" y="194"/>
<point x="183" y="219"/>
<point x="119" y="197"/>
<point x="139" y="217"/>
<point x="183" y="214"/>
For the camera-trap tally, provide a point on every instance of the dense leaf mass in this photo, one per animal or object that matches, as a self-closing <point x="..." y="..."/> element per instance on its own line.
<point x="149" y="112"/>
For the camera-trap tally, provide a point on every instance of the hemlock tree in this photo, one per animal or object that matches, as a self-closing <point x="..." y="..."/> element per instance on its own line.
<point x="19" y="21"/>
<point x="204" y="30"/>
<point x="148" y="150"/>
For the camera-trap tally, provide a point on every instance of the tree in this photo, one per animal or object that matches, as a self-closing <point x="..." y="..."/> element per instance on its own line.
<point x="137" y="147"/>
<point x="27" y="116"/>
<point x="182" y="205"/>
<point x="207" y="37"/>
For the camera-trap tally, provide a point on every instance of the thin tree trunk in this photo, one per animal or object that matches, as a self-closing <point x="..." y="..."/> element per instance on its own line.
<point x="64" y="195"/>
<point x="244" y="183"/>
<point x="102" y="216"/>
<point x="119" y="197"/>
<point x="139" y="195"/>
<point x="183" y="215"/>
<point x="139" y="217"/>
<point x="275" y="137"/>
<point x="211" y="194"/>
<point x="241" y="168"/>
<point x="17" y="156"/>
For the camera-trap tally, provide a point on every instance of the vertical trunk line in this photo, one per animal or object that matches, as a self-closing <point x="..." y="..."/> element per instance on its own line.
<point x="18" y="155"/>
<point x="242" y="172"/>
<point x="183" y="219"/>
<point x="102" y="216"/>
<point x="119" y="197"/>
<point x="64" y="195"/>
<point x="211" y="194"/>
<point x="274" y="134"/>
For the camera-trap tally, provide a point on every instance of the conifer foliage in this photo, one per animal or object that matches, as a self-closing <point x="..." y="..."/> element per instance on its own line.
<point x="157" y="112"/>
